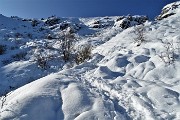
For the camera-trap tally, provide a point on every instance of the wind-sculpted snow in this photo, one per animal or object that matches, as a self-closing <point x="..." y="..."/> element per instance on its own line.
<point x="123" y="80"/>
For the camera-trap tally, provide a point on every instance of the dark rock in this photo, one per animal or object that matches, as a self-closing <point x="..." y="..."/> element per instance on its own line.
<point x="129" y="21"/>
<point x="64" y="26"/>
<point x="52" y="21"/>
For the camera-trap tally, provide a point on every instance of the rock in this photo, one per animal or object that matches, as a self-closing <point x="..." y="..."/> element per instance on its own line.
<point x="52" y="21"/>
<point x="128" y="21"/>
<point x="64" y="26"/>
<point x="168" y="10"/>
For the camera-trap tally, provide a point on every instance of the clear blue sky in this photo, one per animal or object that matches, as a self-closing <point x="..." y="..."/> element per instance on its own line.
<point x="81" y="8"/>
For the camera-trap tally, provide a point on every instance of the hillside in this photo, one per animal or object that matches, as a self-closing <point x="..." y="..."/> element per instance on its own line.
<point x="133" y="71"/>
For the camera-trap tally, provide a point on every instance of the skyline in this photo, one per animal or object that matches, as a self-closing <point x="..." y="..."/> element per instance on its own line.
<point x="81" y="8"/>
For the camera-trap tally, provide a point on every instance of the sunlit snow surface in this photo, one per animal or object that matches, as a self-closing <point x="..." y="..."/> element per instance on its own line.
<point x="122" y="81"/>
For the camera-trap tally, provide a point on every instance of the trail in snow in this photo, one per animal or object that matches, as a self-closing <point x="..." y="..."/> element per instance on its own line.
<point x="122" y="80"/>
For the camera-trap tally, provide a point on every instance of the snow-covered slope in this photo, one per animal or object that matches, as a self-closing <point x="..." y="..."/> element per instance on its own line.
<point x="133" y="73"/>
<point x="169" y="10"/>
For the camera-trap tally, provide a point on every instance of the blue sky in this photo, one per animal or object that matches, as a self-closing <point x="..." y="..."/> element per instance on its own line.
<point x="81" y="8"/>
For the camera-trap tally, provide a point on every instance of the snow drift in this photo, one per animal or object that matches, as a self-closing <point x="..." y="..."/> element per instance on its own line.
<point x="129" y="75"/>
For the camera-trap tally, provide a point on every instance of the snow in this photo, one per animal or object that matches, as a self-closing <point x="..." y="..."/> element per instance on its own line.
<point x="123" y="79"/>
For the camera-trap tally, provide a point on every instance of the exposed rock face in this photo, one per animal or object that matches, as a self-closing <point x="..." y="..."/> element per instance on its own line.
<point x="169" y="10"/>
<point x="64" y="26"/>
<point x="122" y="21"/>
<point x="52" y="21"/>
<point x="128" y="21"/>
<point x="73" y="27"/>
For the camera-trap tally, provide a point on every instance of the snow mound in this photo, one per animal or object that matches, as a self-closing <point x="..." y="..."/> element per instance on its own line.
<point x="125" y="78"/>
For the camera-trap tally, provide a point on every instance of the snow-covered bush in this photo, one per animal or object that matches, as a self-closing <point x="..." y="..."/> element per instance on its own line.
<point x="41" y="58"/>
<point x="83" y="53"/>
<point x="67" y="40"/>
<point x="171" y="52"/>
<point x="140" y="34"/>
<point x="42" y="62"/>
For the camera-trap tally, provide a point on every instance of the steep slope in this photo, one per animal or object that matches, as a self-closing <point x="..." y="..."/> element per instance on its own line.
<point x="27" y="45"/>
<point x="133" y="72"/>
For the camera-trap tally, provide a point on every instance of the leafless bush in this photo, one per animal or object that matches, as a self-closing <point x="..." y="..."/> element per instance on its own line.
<point x="2" y="49"/>
<point x="19" y="56"/>
<point x="83" y="53"/>
<point x="3" y="100"/>
<point x="41" y="58"/>
<point x="168" y="56"/>
<point x="49" y="37"/>
<point x="18" y="35"/>
<point x="67" y="45"/>
<point x="4" y="96"/>
<point x="16" y="57"/>
<point x="5" y="62"/>
<point x="14" y="47"/>
<point x="29" y="35"/>
<point x="34" y="23"/>
<point x="42" y="62"/>
<point x="140" y="34"/>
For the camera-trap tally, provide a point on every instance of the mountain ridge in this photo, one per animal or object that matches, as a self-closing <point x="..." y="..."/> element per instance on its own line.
<point x="132" y="72"/>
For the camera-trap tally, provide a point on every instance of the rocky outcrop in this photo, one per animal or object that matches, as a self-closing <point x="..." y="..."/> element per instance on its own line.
<point x="168" y="10"/>
<point x="72" y="27"/>
<point x="122" y="21"/>
<point x="128" y="21"/>
<point x="52" y="21"/>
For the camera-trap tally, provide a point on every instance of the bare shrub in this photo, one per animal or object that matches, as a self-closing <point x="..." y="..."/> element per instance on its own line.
<point x="42" y="62"/>
<point x="83" y="53"/>
<point x="140" y="34"/>
<point x="41" y="58"/>
<point x="13" y="47"/>
<point x="4" y="96"/>
<point x="67" y="45"/>
<point x="5" y="62"/>
<point x="29" y="35"/>
<point x="50" y="37"/>
<point x="18" y="35"/>
<point x="2" y="49"/>
<point x="19" y="56"/>
<point x="16" y="57"/>
<point x="34" y="23"/>
<point x="3" y="100"/>
<point x="168" y="56"/>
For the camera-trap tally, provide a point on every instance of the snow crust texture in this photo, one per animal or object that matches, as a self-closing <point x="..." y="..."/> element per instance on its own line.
<point x="125" y="79"/>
